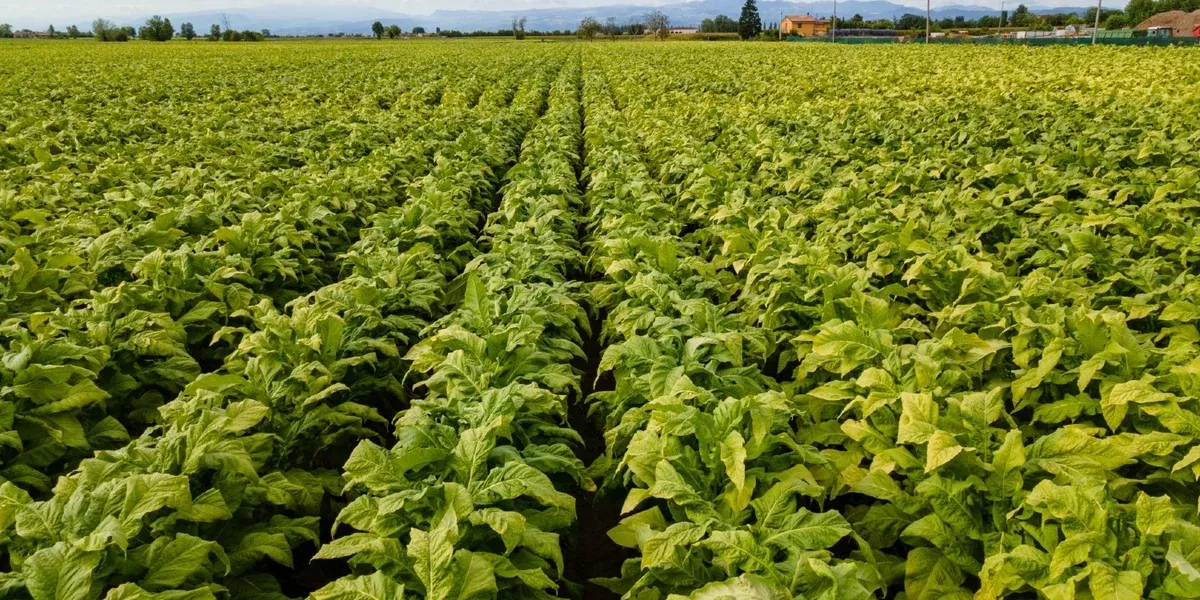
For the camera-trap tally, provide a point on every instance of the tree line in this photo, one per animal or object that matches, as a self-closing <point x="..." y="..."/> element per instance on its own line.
<point x="748" y="26"/>
<point x="1021" y="17"/>
<point x="6" y="31"/>
<point x="393" y="31"/>
<point x="655" y="22"/>
<point x="1140" y="10"/>
<point x="159" y="29"/>
<point x="156" y="29"/>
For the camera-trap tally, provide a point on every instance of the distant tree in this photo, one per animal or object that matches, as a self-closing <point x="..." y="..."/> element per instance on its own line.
<point x="187" y="31"/>
<point x="1022" y="17"/>
<point x="1004" y="18"/>
<point x="911" y="21"/>
<point x="377" y="29"/>
<point x="105" y="31"/>
<point x="989" y="21"/>
<point x="1116" y="21"/>
<point x="719" y="24"/>
<point x="518" y="28"/>
<point x="749" y="24"/>
<point x="658" y="23"/>
<point x="588" y="28"/>
<point x="635" y="27"/>
<point x="1139" y="10"/>
<point x="393" y="31"/>
<point x="233" y="35"/>
<point x="1089" y="16"/>
<point x="266" y="33"/>
<point x="421" y="30"/>
<point x="214" y="32"/>
<point x="157" y="29"/>
<point x="73" y="32"/>
<point x="946" y="23"/>
<point x="50" y="30"/>
<point x="100" y="29"/>
<point x="611" y="29"/>
<point x="5" y="30"/>
<point x="1051" y="20"/>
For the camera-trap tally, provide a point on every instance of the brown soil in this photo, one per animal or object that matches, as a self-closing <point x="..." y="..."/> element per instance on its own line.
<point x="1181" y="23"/>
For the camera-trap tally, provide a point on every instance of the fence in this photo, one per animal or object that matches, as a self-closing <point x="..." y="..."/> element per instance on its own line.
<point x="1038" y="41"/>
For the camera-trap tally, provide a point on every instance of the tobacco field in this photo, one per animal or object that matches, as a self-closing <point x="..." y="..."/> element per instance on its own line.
<point x="458" y="320"/>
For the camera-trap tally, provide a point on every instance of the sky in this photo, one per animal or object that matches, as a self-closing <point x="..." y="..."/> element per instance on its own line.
<point x="36" y="14"/>
<point x="82" y="10"/>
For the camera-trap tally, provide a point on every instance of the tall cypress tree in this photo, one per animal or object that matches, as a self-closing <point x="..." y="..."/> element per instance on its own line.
<point x="749" y="24"/>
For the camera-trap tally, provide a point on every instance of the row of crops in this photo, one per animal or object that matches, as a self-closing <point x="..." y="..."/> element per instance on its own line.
<point x="492" y="320"/>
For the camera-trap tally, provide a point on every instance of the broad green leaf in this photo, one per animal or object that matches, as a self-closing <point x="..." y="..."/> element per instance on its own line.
<point x="626" y="532"/>
<point x="942" y="448"/>
<point x="733" y="454"/>
<point x="60" y="572"/>
<point x="918" y="419"/>
<point x="1107" y="583"/>
<point x="183" y="556"/>
<point x="1154" y="514"/>
<point x="806" y="530"/>
<point x="432" y="554"/>
<point x="375" y="586"/>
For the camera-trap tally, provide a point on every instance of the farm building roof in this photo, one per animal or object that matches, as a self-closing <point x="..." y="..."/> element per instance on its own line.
<point x="803" y="18"/>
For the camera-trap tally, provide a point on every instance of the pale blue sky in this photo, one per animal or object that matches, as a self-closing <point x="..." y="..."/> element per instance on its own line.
<point x="14" y="11"/>
<point x="37" y="14"/>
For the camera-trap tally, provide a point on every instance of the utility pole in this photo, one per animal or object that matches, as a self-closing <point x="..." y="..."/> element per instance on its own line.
<point x="780" y="30"/>
<point x="927" y="24"/>
<point x="835" y="20"/>
<point x="1000" y="21"/>
<point x="1096" y="27"/>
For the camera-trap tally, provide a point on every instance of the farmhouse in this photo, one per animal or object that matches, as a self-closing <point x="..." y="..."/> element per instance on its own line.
<point x="684" y="30"/>
<point x="805" y="25"/>
<point x="26" y="33"/>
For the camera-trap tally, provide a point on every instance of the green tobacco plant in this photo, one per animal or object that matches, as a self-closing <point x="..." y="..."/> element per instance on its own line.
<point x="844" y="321"/>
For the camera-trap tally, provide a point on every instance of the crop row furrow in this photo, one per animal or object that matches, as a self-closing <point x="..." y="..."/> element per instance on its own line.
<point x="86" y="376"/>
<point x="471" y="498"/>
<point x="241" y="469"/>
<point x="982" y="338"/>
<point x="700" y="439"/>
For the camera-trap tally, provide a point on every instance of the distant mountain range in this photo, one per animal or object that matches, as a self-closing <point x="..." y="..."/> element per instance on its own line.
<point x="313" y="20"/>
